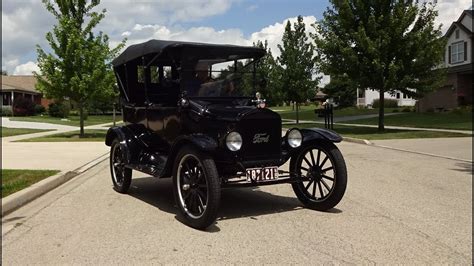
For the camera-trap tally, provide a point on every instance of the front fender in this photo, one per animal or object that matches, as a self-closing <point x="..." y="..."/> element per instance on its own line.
<point x="311" y="134"/>
<point x="200" y="141"/>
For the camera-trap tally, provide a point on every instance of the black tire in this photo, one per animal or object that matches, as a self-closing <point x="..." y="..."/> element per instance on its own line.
<point x="196" y="187"/>
<point x="121" y="176"/>
<point x="313" y="163"/>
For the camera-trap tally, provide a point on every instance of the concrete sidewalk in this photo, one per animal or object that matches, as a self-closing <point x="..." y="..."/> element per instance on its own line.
<point x="104" y="126"/>
<point x="34" y="125"/>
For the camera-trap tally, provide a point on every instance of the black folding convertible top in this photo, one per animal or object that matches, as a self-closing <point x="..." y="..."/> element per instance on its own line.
<point x="157" y="47"/>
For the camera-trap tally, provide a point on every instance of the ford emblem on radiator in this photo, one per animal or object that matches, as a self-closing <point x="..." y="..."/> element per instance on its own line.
<point x="261" y="138"/>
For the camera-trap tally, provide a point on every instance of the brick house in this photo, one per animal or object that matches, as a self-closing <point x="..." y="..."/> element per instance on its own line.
<point x="457" y="89"/>
<point x="21" y="86"/>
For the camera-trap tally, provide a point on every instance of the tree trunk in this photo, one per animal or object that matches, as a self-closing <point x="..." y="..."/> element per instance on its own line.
<point x="381" y="111"/>
<point x="297" y="113"/>
<point x="81" y="120"/>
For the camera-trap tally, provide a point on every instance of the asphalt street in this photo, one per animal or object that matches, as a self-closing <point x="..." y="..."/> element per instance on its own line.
<point x="399" y="208"/>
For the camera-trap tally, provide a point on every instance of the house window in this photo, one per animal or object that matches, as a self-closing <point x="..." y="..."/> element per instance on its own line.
<point x="457" y="52"/>
<point x="457" y="34"/>
<point x="398" y="95"/>
<point x="361" y="94"/>
<point x="405" y="96"/>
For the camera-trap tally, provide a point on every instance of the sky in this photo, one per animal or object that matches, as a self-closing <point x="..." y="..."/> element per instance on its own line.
<point x="241" y="22"/>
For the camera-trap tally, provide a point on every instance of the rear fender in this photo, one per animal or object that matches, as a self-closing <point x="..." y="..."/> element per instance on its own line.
<point x="128" y="139"/>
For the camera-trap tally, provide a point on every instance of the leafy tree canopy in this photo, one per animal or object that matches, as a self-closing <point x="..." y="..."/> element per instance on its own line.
<point x="297" y="59"/>
<point x="382" y="45"/>
<point x="78" y="66"/>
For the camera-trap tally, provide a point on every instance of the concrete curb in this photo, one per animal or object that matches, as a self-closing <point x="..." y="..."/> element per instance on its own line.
<point x="366" y="142"/>
<point x="424" y="153"/>
<point x="356" y="140"/>
<point x="22" y="197"/>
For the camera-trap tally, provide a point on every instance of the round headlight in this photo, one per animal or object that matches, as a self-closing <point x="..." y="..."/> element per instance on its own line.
<point x="294" y="138"/>
<point x="233" y="141"/>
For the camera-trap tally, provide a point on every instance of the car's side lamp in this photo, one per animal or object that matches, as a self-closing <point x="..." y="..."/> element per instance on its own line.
<point x="183" y="102"/>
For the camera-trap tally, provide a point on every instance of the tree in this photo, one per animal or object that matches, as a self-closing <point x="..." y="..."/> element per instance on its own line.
<point x="268" y="68"/>
<point x="4" y="73"/>
<point x="298" y="62"/>
<point x="382" y="45"/>
<point x="342" y="90"/>
<point x="79" y="66"/>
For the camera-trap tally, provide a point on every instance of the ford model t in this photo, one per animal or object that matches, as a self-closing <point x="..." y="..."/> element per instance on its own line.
<point x="190" y="113"/>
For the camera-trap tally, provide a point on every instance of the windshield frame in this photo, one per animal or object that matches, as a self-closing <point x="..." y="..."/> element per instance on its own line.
<point x="191" y="68"/>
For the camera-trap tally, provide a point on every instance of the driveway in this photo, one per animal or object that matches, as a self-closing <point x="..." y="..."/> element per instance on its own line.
<point x="399" y="208"/>
<point x="63" y="156"/>
<point x="460" y="148"/>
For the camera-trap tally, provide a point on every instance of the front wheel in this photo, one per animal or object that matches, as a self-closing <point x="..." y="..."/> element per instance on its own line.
<point x="196" y="187"/>
<point x="322" y="171"/>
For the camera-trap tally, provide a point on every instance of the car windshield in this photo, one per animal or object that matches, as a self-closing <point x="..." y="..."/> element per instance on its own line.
<point x="221" y="78"/>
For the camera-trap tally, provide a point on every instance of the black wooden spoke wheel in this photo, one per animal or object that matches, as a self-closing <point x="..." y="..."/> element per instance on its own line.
<point x="196" y="187"/>
<point x="322" y="173"/>
<point x="121" y="176"/>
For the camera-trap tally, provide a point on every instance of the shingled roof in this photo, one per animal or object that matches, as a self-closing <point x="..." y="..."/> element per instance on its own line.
<point x="19" y="83"/>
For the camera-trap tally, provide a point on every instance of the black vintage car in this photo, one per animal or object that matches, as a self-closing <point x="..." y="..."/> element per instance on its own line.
<point x="190" y="113"/>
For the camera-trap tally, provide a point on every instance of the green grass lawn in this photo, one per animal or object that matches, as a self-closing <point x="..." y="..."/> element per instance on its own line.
<point x="73" y="136"/>
<point x="7" y="132"/>
<point x="307" y="112"/>
<point x="461" y="121"/>
<point x="372" y="133"/>
<point x="16" y="180"/>
<point x="72" y="120"/>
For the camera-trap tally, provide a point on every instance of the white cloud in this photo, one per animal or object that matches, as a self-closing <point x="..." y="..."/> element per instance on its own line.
<point x="26" y="69"/>
<point x="252" y="8"/>
<point x="450" y="10"/>
<point x="25" y="23"/>
<point x="274" y="33"/>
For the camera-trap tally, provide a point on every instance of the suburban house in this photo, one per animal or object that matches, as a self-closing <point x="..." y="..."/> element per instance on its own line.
<point x="457" y="89"/>
<point x="21" y="86"/>
<point x="366" y="97"/>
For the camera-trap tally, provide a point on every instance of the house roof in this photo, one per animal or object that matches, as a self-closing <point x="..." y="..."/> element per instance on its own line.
<point x="19" y="83"/>
<point x="458" y="24"/>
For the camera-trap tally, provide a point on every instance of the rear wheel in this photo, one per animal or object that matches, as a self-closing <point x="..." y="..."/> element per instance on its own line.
<point x="121" y="176"/>
<point x="323" y="174"/>
<point x="196" y="187"/>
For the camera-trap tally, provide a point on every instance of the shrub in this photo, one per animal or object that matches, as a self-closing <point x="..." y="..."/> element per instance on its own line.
<point x="58" y="109"/>
<point x="39" y="109"/>
<point x="7" y="111"/>
<point x="23" y="106"/>
<point x="388" y="103"/>
<point x="395" y="111"/>
<point x="466" y="109"/>
<point x="406" y="110"/>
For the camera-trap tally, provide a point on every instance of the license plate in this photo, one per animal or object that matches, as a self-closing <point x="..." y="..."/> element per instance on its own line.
<point x="262" y="174"/>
